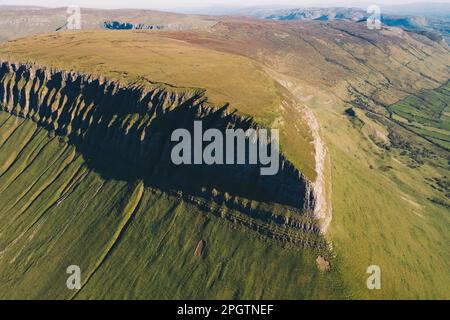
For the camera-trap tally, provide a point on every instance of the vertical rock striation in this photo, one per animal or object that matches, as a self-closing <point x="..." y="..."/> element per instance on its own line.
<point x="129" y="127"/>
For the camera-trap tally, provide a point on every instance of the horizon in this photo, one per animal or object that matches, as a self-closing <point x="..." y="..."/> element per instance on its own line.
<point x="209" y="4"/>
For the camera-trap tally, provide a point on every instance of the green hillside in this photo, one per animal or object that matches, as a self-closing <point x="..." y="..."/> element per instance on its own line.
<point x="85" y="177"/>
<point x="56" y="211"/>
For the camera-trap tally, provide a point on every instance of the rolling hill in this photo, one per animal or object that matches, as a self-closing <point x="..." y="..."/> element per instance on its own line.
<point x="86" y="179"/>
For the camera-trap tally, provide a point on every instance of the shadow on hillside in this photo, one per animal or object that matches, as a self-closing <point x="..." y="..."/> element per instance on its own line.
<point x="124" y="133"/>
<point x="115" y="155"/>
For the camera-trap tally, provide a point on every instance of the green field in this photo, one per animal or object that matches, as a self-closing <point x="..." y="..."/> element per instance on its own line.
<point x="428" y="114"/>
<point x="57" y="212"/>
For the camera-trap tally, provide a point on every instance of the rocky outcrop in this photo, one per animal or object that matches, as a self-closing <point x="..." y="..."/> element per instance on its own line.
<point x="124" y="131"/>
<point x="117" y="25"/>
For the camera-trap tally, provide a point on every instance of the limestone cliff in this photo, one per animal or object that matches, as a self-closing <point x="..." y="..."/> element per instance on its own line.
<point x="123" y="131"/>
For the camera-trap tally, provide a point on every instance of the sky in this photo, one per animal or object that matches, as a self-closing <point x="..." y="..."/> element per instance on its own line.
<point x="169" y="4"/>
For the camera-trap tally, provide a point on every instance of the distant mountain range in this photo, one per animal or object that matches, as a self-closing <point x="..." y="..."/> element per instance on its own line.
<point x="430" y="19"/>
<point x="435" y="27"/>
<point x="418" y="9"/>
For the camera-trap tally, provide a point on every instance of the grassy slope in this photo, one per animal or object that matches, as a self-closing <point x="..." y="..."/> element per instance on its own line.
<point x="131" y="55"/>
<point x="57" y="212"/>
<point x="381" y="212"/>
<point x="382" y="217"/>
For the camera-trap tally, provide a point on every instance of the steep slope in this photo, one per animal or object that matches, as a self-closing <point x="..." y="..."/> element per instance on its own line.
<point x="387" y="207"/>
<point x="382" y="180"/>
<point x="133" y="124"/>
<point x="137" y="56"/>
<point x="129" y="241"/>
<point x="97" y="154"/>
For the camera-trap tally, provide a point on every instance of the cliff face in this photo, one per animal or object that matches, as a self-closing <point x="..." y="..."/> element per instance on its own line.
<point x="124" y="132"/>
<point x="117" y="25"/>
